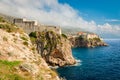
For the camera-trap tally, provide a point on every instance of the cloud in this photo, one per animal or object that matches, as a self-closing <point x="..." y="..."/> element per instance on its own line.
<point x="112" y="20"/>
<point x="54" y="13"/>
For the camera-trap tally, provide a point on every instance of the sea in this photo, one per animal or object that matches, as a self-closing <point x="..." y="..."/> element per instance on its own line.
<point x="100" y="63"/>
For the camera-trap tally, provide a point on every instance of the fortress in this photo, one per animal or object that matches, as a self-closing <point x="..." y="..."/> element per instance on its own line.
<point x="31" y="26"/>
<point x="88" y="35"/>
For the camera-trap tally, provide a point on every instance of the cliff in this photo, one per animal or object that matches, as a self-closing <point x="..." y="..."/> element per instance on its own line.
<point x="54" y="48"/>
<point x="19" y="59"/>
<point x="86" y="40"/>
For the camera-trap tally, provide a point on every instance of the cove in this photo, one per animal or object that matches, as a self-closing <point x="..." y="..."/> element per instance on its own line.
<point x="100" y="63"/>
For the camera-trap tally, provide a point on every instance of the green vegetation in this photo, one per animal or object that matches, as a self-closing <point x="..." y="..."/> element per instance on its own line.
<point x="9" y="27"/>
<point x="46" y="46"/>
<point x="1" y="19"/>
<point x="81" y="37"/>
<point x="10" y="77"/>
<point x="33" y="34"/>
<point x="63" y="35"/>
<point x="5" y="38"/>
<point x="33" y="37"/>
<point x="11" y="64"/>
<point x="24" y="38"/>
<point x="15" y="39"/>
<point x="9" y="72"/>
<point x="97" y="39"/>
<point x="48" y="40"/>
<point x="10" y="53"/>
<point x="33" y="40"/>
<point x="25" y="43"/>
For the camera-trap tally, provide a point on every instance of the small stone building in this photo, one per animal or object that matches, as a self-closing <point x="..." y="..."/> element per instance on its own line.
<point x="31" y="26"/>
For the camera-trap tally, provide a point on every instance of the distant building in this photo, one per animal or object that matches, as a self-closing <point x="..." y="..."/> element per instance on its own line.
<point x="81" y="33"/>
<point x="31" y="26"/>
<point x="88" y="35"/>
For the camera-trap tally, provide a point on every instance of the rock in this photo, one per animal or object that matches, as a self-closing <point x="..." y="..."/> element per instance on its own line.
<point x="31" y="64"/>
<point x="83" y="41"/>
<point x="55" y="49"/>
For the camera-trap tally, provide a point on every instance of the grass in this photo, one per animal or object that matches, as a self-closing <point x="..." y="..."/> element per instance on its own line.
<point x="9" y="72"/>
<point x="24" y="38"/>
<point x="9" y="63"/>
<point x="11" y="77"/>
<point x="7" y="69"/>
<point x="9" y="27"/>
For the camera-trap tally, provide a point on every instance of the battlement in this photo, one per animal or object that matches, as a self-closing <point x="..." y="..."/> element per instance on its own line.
<point x="31" y="26"/>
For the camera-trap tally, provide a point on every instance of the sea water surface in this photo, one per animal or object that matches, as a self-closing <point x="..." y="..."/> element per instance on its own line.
<point x="100" y="63"/>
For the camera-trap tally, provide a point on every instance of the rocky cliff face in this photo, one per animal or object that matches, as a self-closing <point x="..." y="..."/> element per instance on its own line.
<point x="55" y="49"/>
<point x="79" y="41"/>
<point x="19" y="59"/>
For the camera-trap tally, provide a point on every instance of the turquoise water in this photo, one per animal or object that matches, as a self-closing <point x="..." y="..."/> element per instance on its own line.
<point x="101" y="63"/>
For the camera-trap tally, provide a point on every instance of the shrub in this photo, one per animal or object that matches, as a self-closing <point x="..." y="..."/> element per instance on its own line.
<point x="63" y="35"/>
<point x="81" y="37"/>
<point x="33" y="40"/>
<point x="96" y="39"/>
<point x="33" y="37"/>
<point x="10" y="54"/>
<point x="8" y="27"/>
<point x="33" y="34"/>
<point x="33" y="48"/>
<point x="5" y="38"/>
<point x="46" y="46"/>
<point x="1" y="19"/>
<point x="24" y="38"/>
<point x="25" y="43"/>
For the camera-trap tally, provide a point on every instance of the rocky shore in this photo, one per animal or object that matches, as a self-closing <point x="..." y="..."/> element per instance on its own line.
<point x="19" y="59"/>
<point x="87" y="40"/>
<point x="36" y="52"/>
<point x="55" y="49"/>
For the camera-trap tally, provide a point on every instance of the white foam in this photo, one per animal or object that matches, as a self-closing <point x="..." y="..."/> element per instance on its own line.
<point x="53" y="67"/>
<point x="78" y="61"/>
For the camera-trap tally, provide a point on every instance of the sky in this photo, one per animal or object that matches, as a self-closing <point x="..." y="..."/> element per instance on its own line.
<point x="100" y="11"/>
<point x="98" y="16"/>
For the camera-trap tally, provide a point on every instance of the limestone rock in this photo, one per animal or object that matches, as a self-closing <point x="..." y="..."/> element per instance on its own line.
<point x="83" y="41"/>
<point x="55" y="49"/>
<point x="15" y="46"/>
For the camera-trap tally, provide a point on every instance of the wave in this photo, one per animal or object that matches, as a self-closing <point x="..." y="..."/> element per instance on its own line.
<point x="78" y="63"/>
<point x="53" y="67"/>
<point x="78" y="60"/>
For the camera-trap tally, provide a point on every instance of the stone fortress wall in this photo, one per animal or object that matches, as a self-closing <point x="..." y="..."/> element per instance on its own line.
<point x="88" y="35"/>
<point x="31" y="26"/>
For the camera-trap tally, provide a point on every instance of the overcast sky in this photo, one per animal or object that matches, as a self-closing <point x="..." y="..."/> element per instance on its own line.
<point x="69" y="13"/>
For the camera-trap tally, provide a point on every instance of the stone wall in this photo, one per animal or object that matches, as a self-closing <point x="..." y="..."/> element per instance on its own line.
<point x="91" y="36"/>
<point x="31" y="26"/>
